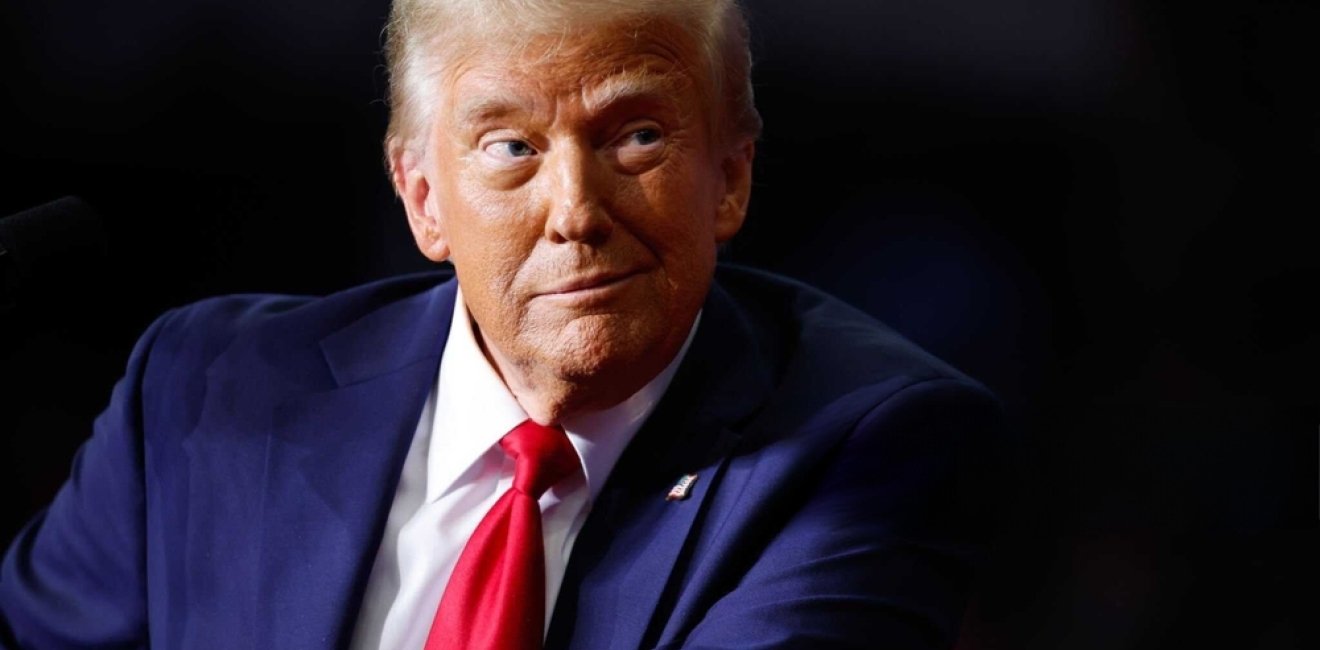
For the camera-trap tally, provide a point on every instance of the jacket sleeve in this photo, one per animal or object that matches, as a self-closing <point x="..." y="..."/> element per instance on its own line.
<point x="74" y="576"/>
<point x="881" y="551"/>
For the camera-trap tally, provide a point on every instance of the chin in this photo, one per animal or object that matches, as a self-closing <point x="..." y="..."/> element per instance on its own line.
<point x="607" y="354"/>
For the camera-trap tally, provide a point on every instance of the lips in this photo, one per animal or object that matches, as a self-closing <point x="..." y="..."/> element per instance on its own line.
<point x="587" y="282"/>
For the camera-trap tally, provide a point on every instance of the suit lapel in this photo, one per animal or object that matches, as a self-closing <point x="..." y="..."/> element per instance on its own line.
<point x="628" y="550"/>
<point x="332" y="465"/>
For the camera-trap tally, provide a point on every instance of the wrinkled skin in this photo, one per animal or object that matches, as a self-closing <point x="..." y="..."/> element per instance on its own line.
<point x="580" y="188"/>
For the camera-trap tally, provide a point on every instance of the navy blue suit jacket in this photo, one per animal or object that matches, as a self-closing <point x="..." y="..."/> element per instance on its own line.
<point x="234" y="492"/>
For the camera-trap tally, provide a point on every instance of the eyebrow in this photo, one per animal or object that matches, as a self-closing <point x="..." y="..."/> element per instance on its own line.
<point x="597" y="97"/>
<point x="488" y="107"/>
<point x="629" y="86"/>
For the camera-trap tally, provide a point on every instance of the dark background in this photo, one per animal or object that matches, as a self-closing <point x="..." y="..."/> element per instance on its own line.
<point x="1095" y="207"/>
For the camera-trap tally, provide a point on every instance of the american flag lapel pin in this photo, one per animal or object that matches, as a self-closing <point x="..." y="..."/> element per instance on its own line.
<point x="682" y="489"/>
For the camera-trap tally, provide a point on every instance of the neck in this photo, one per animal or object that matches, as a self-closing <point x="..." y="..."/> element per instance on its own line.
<point x="549" y="398"/>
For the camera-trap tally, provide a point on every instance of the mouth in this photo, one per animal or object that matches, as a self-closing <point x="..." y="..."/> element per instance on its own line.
<point x="591" y="284"/>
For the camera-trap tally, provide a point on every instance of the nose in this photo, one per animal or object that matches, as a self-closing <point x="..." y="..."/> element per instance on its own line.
<point x="578" y="185"/>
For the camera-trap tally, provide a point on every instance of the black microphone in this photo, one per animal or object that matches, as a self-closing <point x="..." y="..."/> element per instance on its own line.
<point x="52" y="247"/>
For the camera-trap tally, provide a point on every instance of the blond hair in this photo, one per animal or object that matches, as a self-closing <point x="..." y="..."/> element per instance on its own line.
<point x="420" y="32"/>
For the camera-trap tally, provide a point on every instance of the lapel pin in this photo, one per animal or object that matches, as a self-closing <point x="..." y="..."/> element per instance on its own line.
<point x="682" y="489"/>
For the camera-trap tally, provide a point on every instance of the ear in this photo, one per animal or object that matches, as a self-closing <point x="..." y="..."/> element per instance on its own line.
<point x="410" y="183"/>
<point x="737" y="169"/>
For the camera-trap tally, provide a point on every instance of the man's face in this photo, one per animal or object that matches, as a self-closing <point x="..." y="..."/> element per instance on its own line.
<point x="580" y="191"/>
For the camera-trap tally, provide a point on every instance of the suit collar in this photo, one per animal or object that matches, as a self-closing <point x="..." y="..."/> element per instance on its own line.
<point x="391" y="337"/>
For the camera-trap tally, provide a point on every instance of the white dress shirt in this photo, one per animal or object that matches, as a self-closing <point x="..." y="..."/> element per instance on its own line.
<point x="454" y="473"/>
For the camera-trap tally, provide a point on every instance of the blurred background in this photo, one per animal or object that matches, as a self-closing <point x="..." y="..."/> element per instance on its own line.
<point x="1095" y="207"/>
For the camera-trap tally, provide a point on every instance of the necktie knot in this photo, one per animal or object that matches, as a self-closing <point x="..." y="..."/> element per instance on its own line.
<point x="543" y="457"/>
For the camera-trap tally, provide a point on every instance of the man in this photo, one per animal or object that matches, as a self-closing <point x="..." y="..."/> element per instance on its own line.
<point x="741" y="462"/>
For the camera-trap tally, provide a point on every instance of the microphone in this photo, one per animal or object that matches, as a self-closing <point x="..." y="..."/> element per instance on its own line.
<point x="51" y="247"/>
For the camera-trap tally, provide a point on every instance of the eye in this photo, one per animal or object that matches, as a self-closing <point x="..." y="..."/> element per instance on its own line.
<point x="643" y="137"/>
<point x="509" y="149"/>
<point x="640" y="149"/>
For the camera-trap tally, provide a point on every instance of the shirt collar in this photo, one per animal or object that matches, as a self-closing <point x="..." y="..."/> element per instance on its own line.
<point x="474" y="409"/>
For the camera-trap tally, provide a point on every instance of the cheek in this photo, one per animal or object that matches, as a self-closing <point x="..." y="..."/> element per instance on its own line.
<point x="489" y="239"/>
<point x="682" y="216"/>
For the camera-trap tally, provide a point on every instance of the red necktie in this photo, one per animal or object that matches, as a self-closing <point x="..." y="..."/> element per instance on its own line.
<point x="495" y="599"/>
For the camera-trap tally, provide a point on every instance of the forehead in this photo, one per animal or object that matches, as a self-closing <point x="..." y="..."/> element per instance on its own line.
<point x="596" y="65"/>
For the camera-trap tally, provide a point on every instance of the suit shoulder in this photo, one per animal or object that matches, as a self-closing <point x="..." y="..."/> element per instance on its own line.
<point x="204" y="329"/>
<point x="246" y="333"/>
<point x="247" y="344"/>
<point x="853" y="395"/>
<point x="823" y="343"/>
